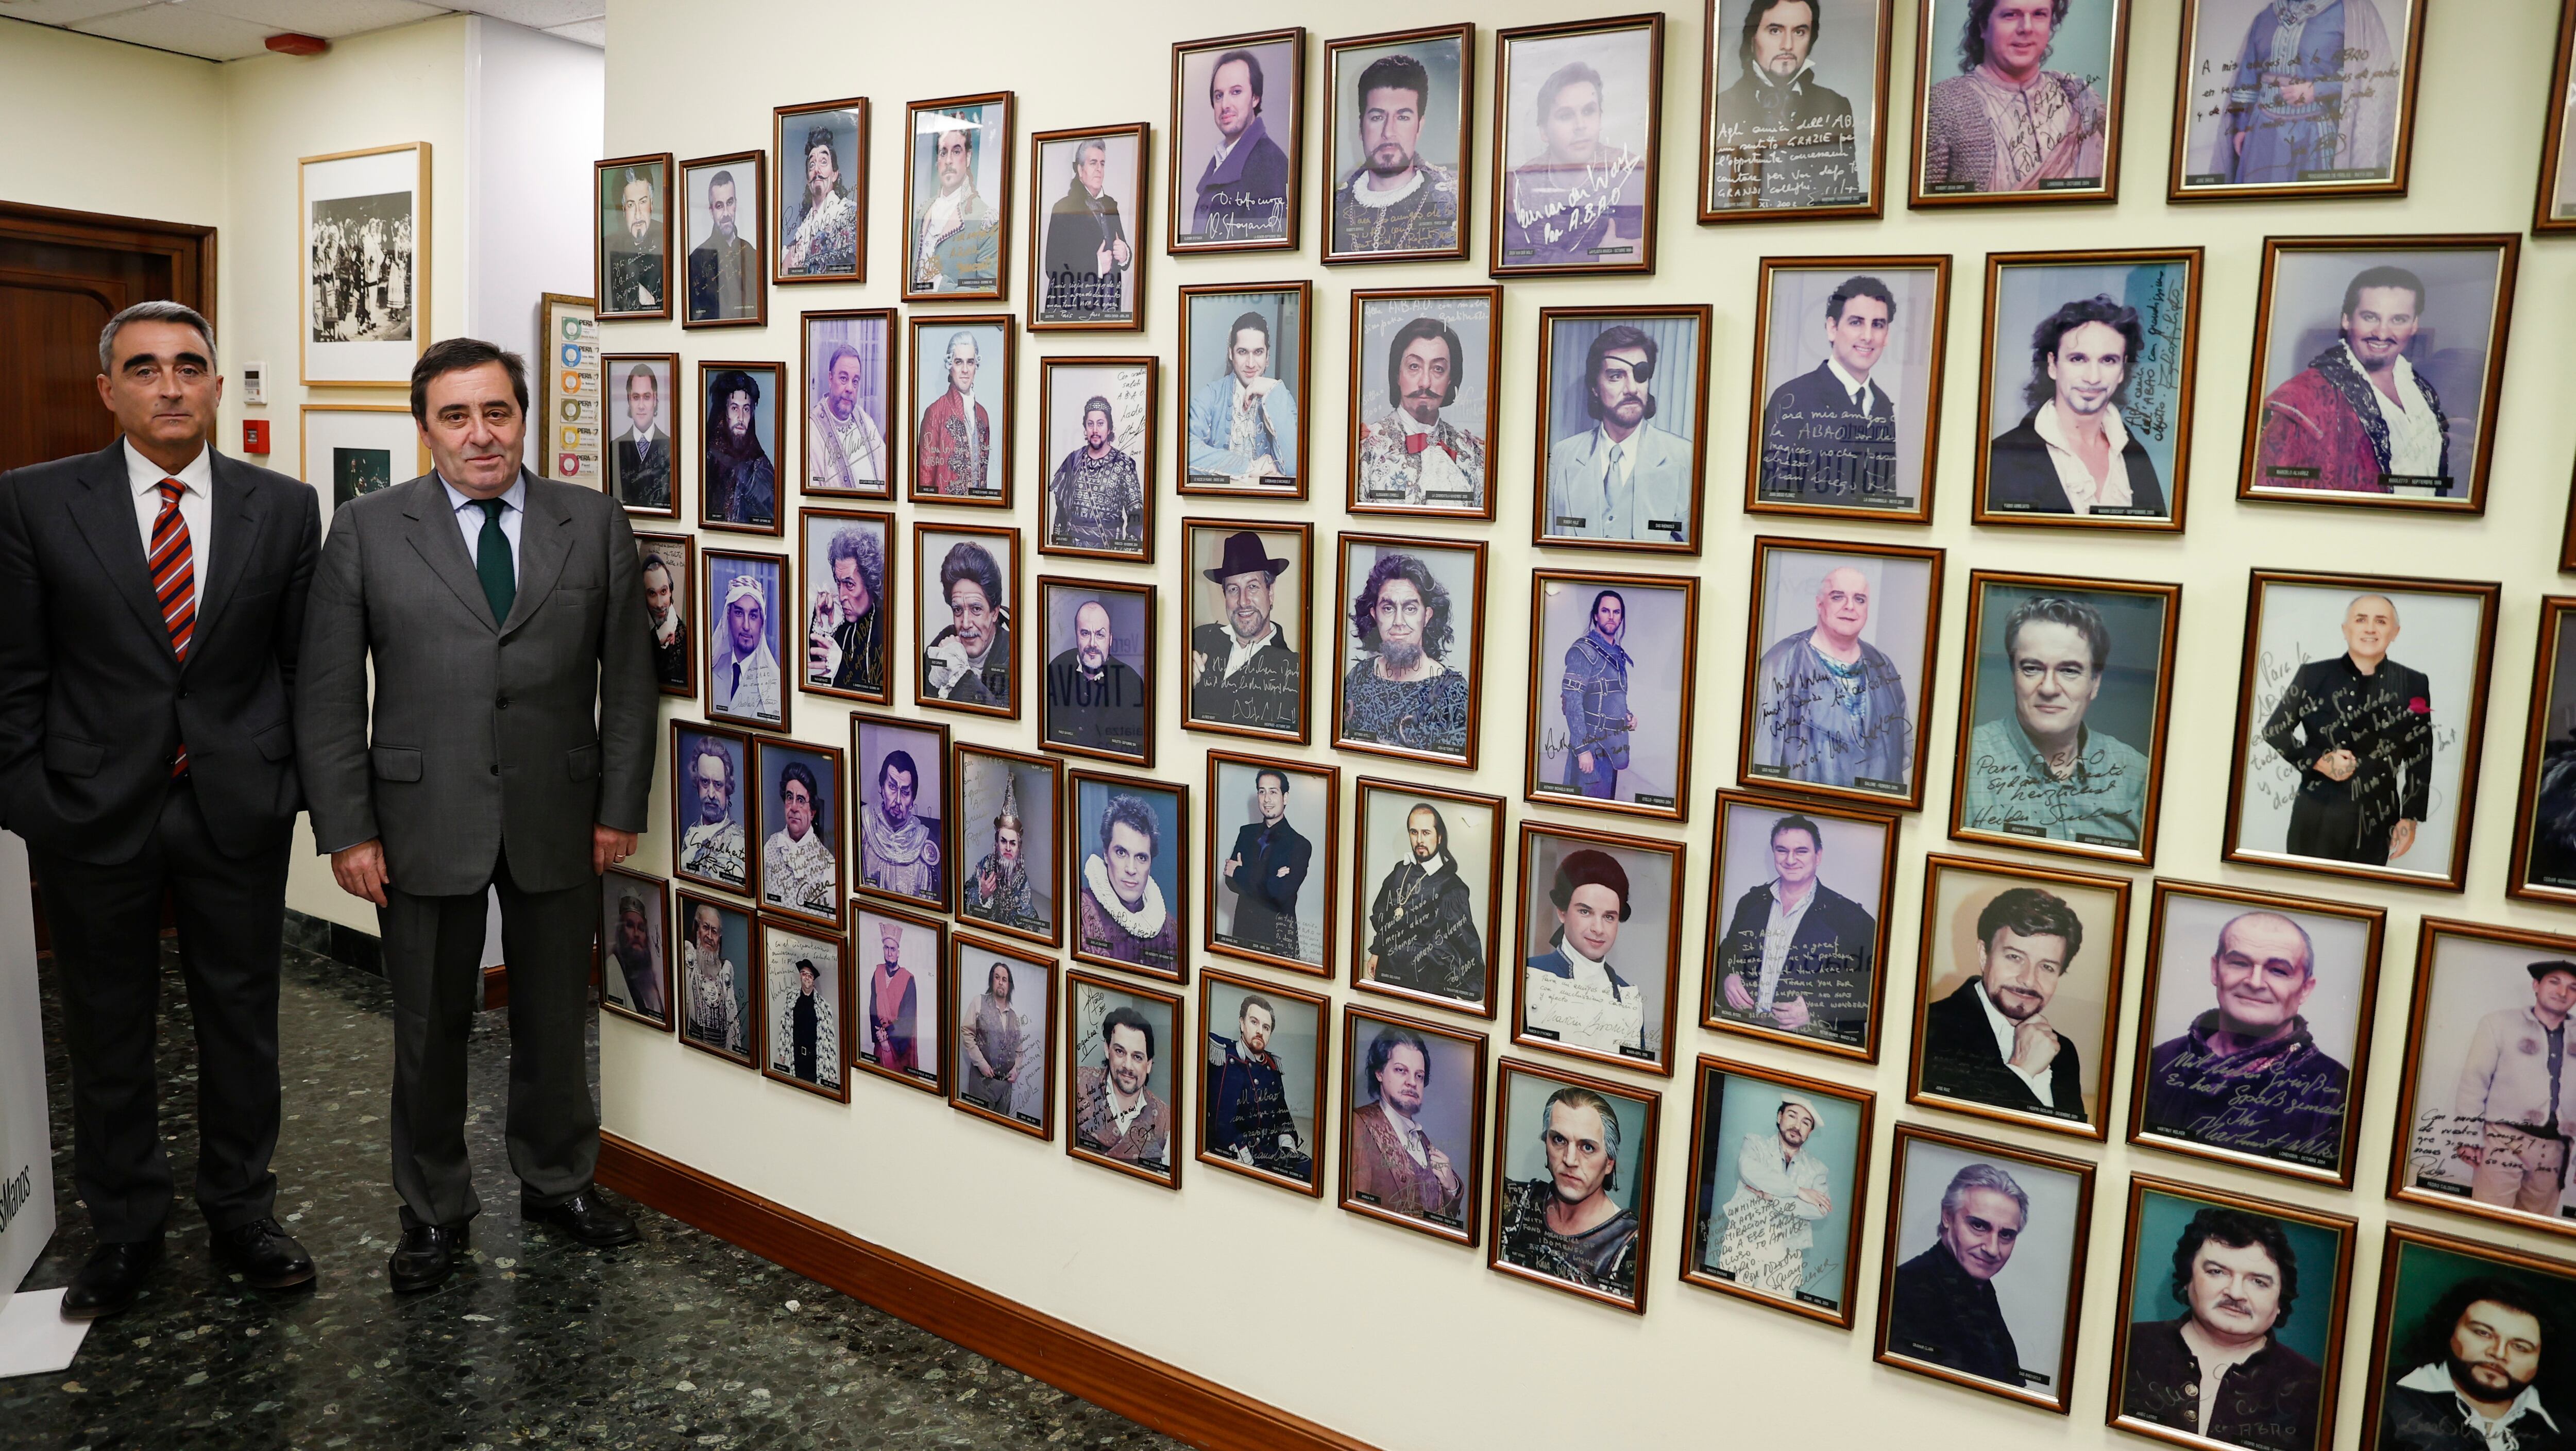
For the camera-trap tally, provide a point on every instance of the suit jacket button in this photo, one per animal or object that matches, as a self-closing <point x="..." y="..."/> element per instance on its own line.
<point x="503" y="703"/>
<point x="496" y="768"/>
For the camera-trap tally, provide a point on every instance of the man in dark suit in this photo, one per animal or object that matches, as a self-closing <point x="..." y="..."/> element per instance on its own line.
<point x="2073" y="453"/>
<point x="1829" y="435"/>
<point x="510" y="747"/>
<point x="2358" y="729"/>
<point x="1991" y="1042"/>
<point x="1266" y="871"/>
<point x="1943" y="1307"/>
<point x="155" y="593"/>
<point x="643" y="452"/>
<point x="1797" y="954"/>
<point x="1243" y="190"/>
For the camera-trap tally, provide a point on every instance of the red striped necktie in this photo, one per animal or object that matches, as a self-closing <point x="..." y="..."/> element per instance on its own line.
<point x="174" y="580"/>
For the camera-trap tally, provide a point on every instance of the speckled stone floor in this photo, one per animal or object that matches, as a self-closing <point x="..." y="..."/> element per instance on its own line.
<point x="680" y="1341"/>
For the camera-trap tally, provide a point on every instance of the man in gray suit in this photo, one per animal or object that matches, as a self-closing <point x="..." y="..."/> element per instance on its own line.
<point x="510" y="747"/>
<point x="1622" y="478"/>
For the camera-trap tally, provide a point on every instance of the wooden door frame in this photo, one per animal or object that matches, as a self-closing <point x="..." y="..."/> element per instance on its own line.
<point x="191" y="249"/>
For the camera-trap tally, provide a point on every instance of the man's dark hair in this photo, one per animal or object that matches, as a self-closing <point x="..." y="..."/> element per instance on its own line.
<point x="806" y="965"/>
<point x="1852" y="287"/>
<point x="1795" y="822"/>
<point x="2058" y="610"/>
<point x="1383" y="1046"/>
<point x="1753" y="23"/>
<point x="1436" y="631"/>
<point x="721" y="178"/>
<point x="1439" y="825"/>
<point x="1255" y="1000"/>
<point x="1572" y="73"/>
<point x="970" y="560"/>
<point x="803" y="775"/>
<point x="2236" y="1229"/>
<point x="2430" y="1340"/>
<point x="1252" y="320"/>
<point x="899" y="761"/>
<point x="1617" y="338"/>
<point x="645" y="372"/>
<point x="1424" y="329"/>
<point x="2381" y="277"/>
<point x="2030" y="912"/>
<point x="1593" y="616"/>
<point x="653" y="562"/>
<point x="973" y="133"/>
<point x="1123" y="1016"/>
<point x="1972" y="39"/>
<point x="1271" y="771"/>
<point x="455" y="355"/>
<point x="1251" y="64"/>
<point x="1395" y="73"/>
<point x="1132" y="813"/>
<point x="722" y="453"/>
<point x="2052" y="330"/>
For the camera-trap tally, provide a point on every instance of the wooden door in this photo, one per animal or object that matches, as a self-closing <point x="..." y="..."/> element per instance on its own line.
<point x="62" y="276"/>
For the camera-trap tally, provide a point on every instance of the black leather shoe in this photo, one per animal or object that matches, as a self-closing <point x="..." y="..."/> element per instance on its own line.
<point x="111" y="1279"/>
<point x="586" y="1216"/>
<point x="426" y="1256"/>
<point x="267" y="1256"/>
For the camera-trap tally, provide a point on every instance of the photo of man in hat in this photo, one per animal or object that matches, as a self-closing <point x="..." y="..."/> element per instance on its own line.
<point x="1571" y="995"/>
<point x="1242" y="671"/>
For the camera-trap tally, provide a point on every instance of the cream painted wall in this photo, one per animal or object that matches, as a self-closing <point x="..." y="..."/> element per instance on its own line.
<point x="99" y="126"/>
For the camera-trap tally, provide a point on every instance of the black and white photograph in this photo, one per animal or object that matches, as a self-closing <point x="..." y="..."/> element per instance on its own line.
<point x="646" y="401"/>
<point x="1399" y="143"/>
<point x="796" y="814"/>
<point x="1413" y="1124"/>
<point x="716" y="967"/>
<point x="901" y="790"/>
<point x="966" y="585"/>
<point x="2293" y="98"/>
<point x="1408" y="670"/>
<point x="1613" y="658"/>
<point x="1574" y="1183"/>
<point x="2018" y="101"/>
<point x="634" y="947"/>
<point x="1086" y="205"/>
<point x="963" y="386"/>
<point x="746" y="638"/>
<point x="1779" y="1187"/>
<point x="362" y="218"/>
<point x="710" y="808"/>
<point x="1246" y="359"/>
<point x="1841" y="657"/>
<point x="669" y="567"/>
<point x="1098" y="644"/>
<point x="1004" y="806"/>
<point x="957" y="198"/>
<point x="1127" y="842"/>
<point x="1237" y="142"/>
<point x="845" y="561"/>
<point x="1798" y="923"/>
<point x="1599" y="931"/>
<point x="1099" y="450"/>
<point x="1623" y="427"/>
<point x="1261" y="1081"/>
<point x="724" y="241"/>
<point x="850" y="428"/>
<point x="822" y="159"/>
<point x="2483" y="1126"/>
<point x="1250" y="628"/>
<point x="1004" y="1006"/>
<point x="1124" y="1064"/>
<point x="1274" y="856"/>
<point x="1793" y="112"/>
<point x="1578" y="146"/>
<point x="2544" y="831"/>
<point x="1426" y="898"/>
<point x="1426" y="376"/>
<point x="741" y="439"/>
<point x="1848" y="355"/>
<point x="2471" y="1325"/>
<point x="631" y="270"/>
<point x="897" y="1023"/>
<point x="804" y="1017"/>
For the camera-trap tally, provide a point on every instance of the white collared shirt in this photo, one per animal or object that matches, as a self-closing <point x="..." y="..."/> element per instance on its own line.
<point x="196" y="505"/>
<point x="1239" y="654"/>
<point x="644" y="438"/>
<point x="2414" y="437"/>
<point x="2003" y="1028"/>
<point x="1856" y="389"/>
<point x="469" y="519"/>
<point x="2084" y="492"/>
<point x="1121" y="1119"/>
<point x="1417" y="1145"/>
<point x="2498" y="1433"/>
<point x="1781" y="930"/>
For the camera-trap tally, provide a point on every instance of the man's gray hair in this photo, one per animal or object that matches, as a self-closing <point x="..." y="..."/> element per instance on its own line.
<point x="1982" y="1176"/>
<point x="1089" y="143"/>
<point x="950" y="355"/>
<point x="2307" y="944"/>
<point x="160" y="310"/>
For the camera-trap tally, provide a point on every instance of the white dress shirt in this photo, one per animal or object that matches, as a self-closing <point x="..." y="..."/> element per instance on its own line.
<point x="1417" y="1144"/>
<point x="1777" y="934"/>
<point x="2085" y="493"/>
<point x="2414" y="438"/>
<point x="2497" y="1433"/>
<point x="2004" y="1032"/>
<point x="196" y="506"/>
<point x="469" y="520"/>
<point x="1855" y="389"/>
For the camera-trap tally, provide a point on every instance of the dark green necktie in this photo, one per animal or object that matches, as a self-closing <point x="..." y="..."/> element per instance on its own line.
<point x="492" y="562"/>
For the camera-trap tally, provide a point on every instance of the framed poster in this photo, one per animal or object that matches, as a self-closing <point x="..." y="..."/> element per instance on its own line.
<point x="2544" y="824"/>
<point x="1836" y="707"/>
<point x="1779" y="1179"/>
<point x="1401" y="1074"/>
<point x="2556" y="209"/>
<point x="2296" y="100"/>
<point x="1127" y="843"/>
<point x="1400" y="126"/>
<point x="1122" y="1053"/>
<point x="1426" y="900"/>
<point x="643" y="394"/>
<point x="1099" y="439"/>
<point x="1827" y="874"/>
<point x="1273" y="830"/>
<point x="1603" y="733"/>
<point x="845" y="565"/>
<point x="716" y="977"/>
<point x="1619" y="471"/>
<point x="1261" y="1081"/>
<point x="668" y="566"/>
<point x="1245" y="360"/>
<point x="1237" y="137"/>
<point x="723" y="229"/>
<point x="850" y="435"/>
<point x="635" y="978"/>
<point x="631" y="263"/>
<point x="362" y="219"/>
<point x="796" y="817"/>
<point x="2440" y="1297"/>
<point x="1004" y="1006"/>
<point x="1098" y="642"/>
<point x="570" y="395"/>
<point x="966" y="587"/>
<point x="745" y="638"/>
<point x="1087" y="204"/>
<point x="741" y="440"/>
<point x="708" y="810"/>
<point x="1411" y="666"/>
<point x="2018" y="101"/>
<point x="1581" y="893"/>
<point x="1578" y="146"/>
<point x="2486" y="1039"/>
<point x="805" y="997"/>
<point x="957" y="198"/>
<point x="1851" y="419"/>
<point x="1435" y="357"/>
<point x="1249" y="630"/>
<point x="1574" y="1183"/>
<point x="902" y="1003"/>
<point x="822" y="225"/>
<point x="1004" y="807"/>
<point x="904" y="847"/>
<point x="348" y="449"/>
<point x="1792" y="111"/>
<point x="961" y="437"/>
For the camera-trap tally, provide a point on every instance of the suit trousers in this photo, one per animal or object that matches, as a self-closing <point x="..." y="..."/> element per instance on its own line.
<point x="2331" y="829"/>
<point x="434" y="959"/>
<point x="105" y="924"/>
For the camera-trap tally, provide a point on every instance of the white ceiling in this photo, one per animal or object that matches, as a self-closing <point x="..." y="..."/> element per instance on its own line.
<point x="234" y="29"/>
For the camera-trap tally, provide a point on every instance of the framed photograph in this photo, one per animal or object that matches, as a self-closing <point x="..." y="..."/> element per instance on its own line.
<point x="850" y="428"/>
<point x="716" y="965"/>
<point x="2004" y="955"/>
<point x="961" y="437"/>
<point x="1099" y="438"/>
<point x="1401" y="126"/>
<point x="1087" y="202"/>
<point x="1836" y="707"/>
<point x="2062" y="721"/>
<point x="634" y="947"/>
<point x="957" y="199"/>
<point x="1127" y="842"/>
<point x="1003" y="1005"/>
<point x="1798" y="130"/>
<point x="1247" y="354"/>
<point x="740" y="445"/>
<point x="1434" y="359"/>
<point x="1099" y="648"/>
<point x="844" y="560"/>
<point x="2293" y="101"/>
<point x="708" y="766"/>
<point x="1237" y="138"/>
<point x="901" y="997"/>
<point x="1413" y="1123"/>
<point x="1580" y="992"/>
<point x="722" y="231"/>
<point x="822" y="225"/>
<point x="1797" y="923"/>
<point x="1426" y="899"/>
<point x="2254" y="1029"/>
<point x="805" y="996"/>
<point x="1611" y="736"/>
<point x="2206" y="1274"/>
<point x="1842" y="437"/>
<point x="1578" y="146"/>
<point x="966" y="587"/>
<point x="348" y="449"/>
<point x="903" y="850"/>
<point x="2341" y="328"/>
<point x="1250" y="628"/>
<point x="2097" y="432"/>
<point x="1284" y="824"/>
<point x="1779" y="1185"/>
<point x="2544" y="826"/>
<point x="746" y="638"/>
<point x="364" y="257"/>
<point x="2481" y="1131"/>
<point x="1411" y="664"/>
<point x="1574" y="1183"/>
<point x="797" y="817"/>
<point x="1985" y="1265"/>
<point x="1620" y="472"/>
<point x="2018" y="102"/>
<point x="2348" y="760"/>
<point x="1004" y="805"/>
<point x="644" y="432"/>
<point x="2460" y="1321"/>
<point x="1261" y="1081"/>
<point x="632" y="259"/>
<point x="2556" y="209"/>
<point x="1123" y="1050"/>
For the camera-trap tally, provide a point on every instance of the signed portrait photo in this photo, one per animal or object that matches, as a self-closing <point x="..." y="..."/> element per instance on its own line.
<point x="1623" y="424"/>
<point x="822" y="159"/>
<point x="900" y="996"/>
<point x="1425" y="400"/>
<point x="1261" y="1080"/>
<point x="2463" y="1324"/>
<point x="716" y="966"/>
<point x="1086" y="202"/>
<point x="634" y="947"/>
<point x="1842" y="655"/>
<point x="957" y="198"/>
<point x="1099" y="444"/>
<point x="1848" y="356"/>
<point x="963" y="386"/>
<point x="633" y="270"/>
<point x="1273" y="850"/>
<point x="2019" y="100"/>
<point x="1235" y="138"/>
<point x="2544" y="833"/>
<point x="849" y="404"/>
<point x="709" y="807"/>
<point x="747" y="595"/>
<point x="1413" y="1123"/>
<point x="1398" y="139"/>
<point x="966" y="583"/>
<point x="1250" y="628"/>
<point x="1798" y="923"/>
<point x="2486" y="1119"/>
<point x="2555" y="209"/>
<point x="741" y="441"/>
<point x="805" y="996"/>
<point x="1779" y="1175"/>
<point x="1124" y="1059"/>
<point x="1245" y="355"/>
<point x="1410" y="648"/>
<point x="1424" y="903"/>
<point x="1005" y="806"/>
<point x="643" y="391"/>
<point x="1004" y="1010"/>
<point x="2296" y="98"/>
<point x="797" y="816"/>
<point x="1610" y="690"/>
<point x="1577" y="146"/>
<point x="1128" y="841"/>
<point x="1099" y="650"/>
<point x="844" y="558"/>
<point x="1600" y="925"/>
<point x="724" y="272"/>
<point x="1574" y="1181"/>
<point x="903" y="842"/>
<point x="669" y="565"/>
<point x="1793" y="109"/>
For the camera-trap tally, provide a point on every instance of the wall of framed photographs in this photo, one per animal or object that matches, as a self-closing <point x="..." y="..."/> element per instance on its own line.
<point x="1883" y="616"/>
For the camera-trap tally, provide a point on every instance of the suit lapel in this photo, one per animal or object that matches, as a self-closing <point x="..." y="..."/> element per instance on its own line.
<point x="235" y="516"/>
<point x="104" y="512"/>
<point x="434" y="536"/>
<point x="545" y="540"/>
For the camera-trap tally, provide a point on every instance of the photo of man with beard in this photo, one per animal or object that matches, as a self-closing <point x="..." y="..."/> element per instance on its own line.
<point x="727" y="283"/>
<point x="819" y="231"/>
<point x="845" y="451"/>
<point x="740" y="485"/>
<point x="1096" y="703"/>
<point x="1990" y="1042"/>
<point x="1401" y="692"/>
<point x="1396" y="201"/>
<point x="1780" y="136"/>
<point x="2072" y="453"/>
<point x="632" y="246"/>
<point x="2477" y="1350"/>
<point x="1614" y="473"/>
<point x="630" y="938"/>
<point x="1424" y="933"/>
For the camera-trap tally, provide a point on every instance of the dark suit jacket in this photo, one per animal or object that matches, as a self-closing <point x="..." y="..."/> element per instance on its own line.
<point x="1814" y="444"/>
<point x="94" y="702"/>
<point x="2021" y="477"/>
<point x="1961" y="1060"/>
<point x="1829" y="957"/>
<point x="645" y="487"/>
<point x="483" y="737"/>
<point x="1264" y="900"/>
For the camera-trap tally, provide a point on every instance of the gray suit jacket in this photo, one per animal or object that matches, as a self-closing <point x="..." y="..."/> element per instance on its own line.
<point x="483" y="738"/>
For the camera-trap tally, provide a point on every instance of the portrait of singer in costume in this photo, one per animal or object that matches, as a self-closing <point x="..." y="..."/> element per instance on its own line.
<point x="1573" y="1180"/>
<point x="1849" y="388"/>
<point x="2017" y="993"/>
<point x="1982" y="1244"/>
<point x="902" y="775"/>
<point x="1410" y="1154"/>
<point x="2017" y="99"/>
<point x="1249" y="628"/>
<point x="1796" y="126"/>
<point x="634" y="953"/>
<point x="1576" y="107"/>
<point x="1100" y="446"/>
<point x="1007" y="833"/>
<point x="1099" y="650"/>
<point x="1775" y="1206"/>
<point x="643" y="392"/>
<point x="1271" y="873"/>
<point x="1261" y="1083"/>
<point x="1798" y="921"/>
<point x="798" y="821"/>
<point x="726" y="278"/>
<point x="668" y="564"/>
<point x="1423" y="402"/>
<point x="2299" y="97"/>
<point x="1424" y="897"/>
<point x="634" y="238"/>
<point x="849" y="617"/>
<point x="822" y="191"/>
<point x="957" y="197"/>
<point x="1622" y="428"/>
<point x="1235" y="132"/>
<point x="967" y="583"/>
<point x="1005" y="1017"/>
<point x="1124" y="1048"/>
<point x="804" y="980"/>
<point x="849" y="403"/>
<point x="716" y="1013"/>
<point x="1612" y="662"/>
<point x="962" y="420"/>
<point x="900" y="991"/>
<point x="1411" y="648"/>
<point x="1131" y="879"/>
<point x="1398" y="139"/>
<point x="739" y="434"/>
<point x="1842" y="650"/>
<point x="2491" y="1065"/>
<point x="747" y="638"/>
<point x="2474" y="1337"/>
<point x="709" y="807"/>
<point x="1091" y="245"/>
<point x="2544" y="857"/>
<point x="1599" y="944"/>
<point x="2087" y="388"/>
<point x="1246" y="356"/>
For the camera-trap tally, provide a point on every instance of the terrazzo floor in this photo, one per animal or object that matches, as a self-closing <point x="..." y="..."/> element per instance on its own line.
<point x="680" y="1341"/>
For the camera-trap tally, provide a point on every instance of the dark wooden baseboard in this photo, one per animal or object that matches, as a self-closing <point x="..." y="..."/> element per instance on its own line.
<point x="1147" y="1391"/>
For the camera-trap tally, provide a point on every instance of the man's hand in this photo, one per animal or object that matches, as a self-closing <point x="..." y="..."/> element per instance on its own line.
<point x="1233" y="864"/>
<point x="2338" y="764"/>
<point x="2473" y="1155"/>
<point x="2034" y="1044"/>
<point x="1583" y="762"/>
<point x="987" y="883"/>
<point x="2400" y="837"/>
<point x="1368" y="969"/>
<point x="1632" y="720"/>
<point x="1283" y="871"/>
<point x="1791" y="1014"/>
<point x="360" y="870"/>
<point x="1736" y="996"/>
<point x="1440" y="1167"/>
<point x="1256" y="389"/>
<point x="1818" y="1198"/>
<point x="608" y="847"/>
<point x="1119" y="252"/>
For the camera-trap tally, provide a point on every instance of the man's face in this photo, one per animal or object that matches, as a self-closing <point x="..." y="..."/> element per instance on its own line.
<point x="1422" y="834"/>
<point x="2017" y="35"/>
<point x="1982" y="1231"/>
<point x="2235" y="1293"/>
<point x="971" y="611"/>
<point x="953" y="151"/>
<point x="1230" y="98"/>
<point x="745" y="618"/>
<point x="715" y="790"/>
<point x="1796" y="1124"/>
<point x="890" y="942"/>
<point x="805" y="979"/>
<point x="1400" y="614"/>
<point x="1390" y="127"/>
<point x="474" y="430"/>
<point x="2262" y="973"/>
<point x="1251" y="354"/>
<point x="1401" y="1081"/>
<point x="1578" y="1151"/>
<point x="2021" y="973"/>
<point x="2087" y="367"/>
<point x="1422" y="378"/>
<point x="2369" y="628"/>
<point x="853" y="587"/>
<point x="1609" y="616"/>
<point x="1859" y="335"/>
<point x="894" y="794"/>
<point x="797" y="805"/>
<point x="1619" y="385"/>
<point x="1006" y="844"/>
<point x="1781" y="40"/>
<point x="2495" y="1351"/>
<point x="739" y="411"/>
<point x="1091" y="636"/>
<point x="1247" y="604"/>
<point x="2053" y="678"/>
<point x="1130" y="1062"/>
<point x="1095" y="429"/>
<point x="162" y="387"/>
<point x="2555" y="993"/>
<point x="1842" y="604"/>
<point x="1590" y="918"/>
<point x="1255" y="1023"/>
<point x="2382" y="322"/>
<point x="636" y="201"/>
<point x="963" y="359"/>
<point x="1131" y="862"/>
<point x="1271" y="797"/>
<point x="657" y="593"/>
<point x="1573" y="122"/>
<point x="1794" y="854"/>
<point x="822" y="173"/>
<point x="706" y="929"/>
<point x="1092" y="169"/>
<point x="643" y="401"/>
<point x="844" y="396"/>
<point x="630" y="931"/>
<point x="720" y="209"/>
